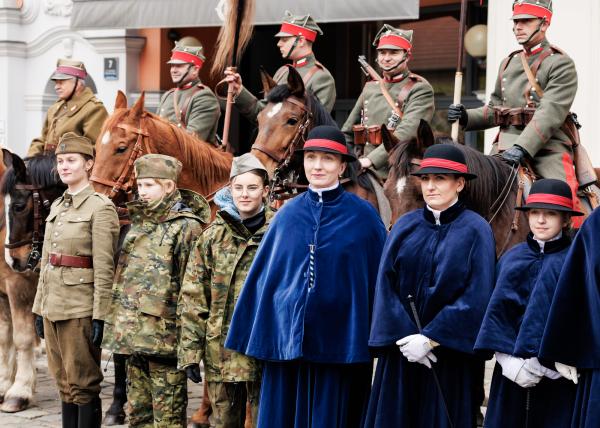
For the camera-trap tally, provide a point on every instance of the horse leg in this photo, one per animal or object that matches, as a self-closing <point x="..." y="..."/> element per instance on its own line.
<point x="115" y="414"/>
<point x="7" y="349"/>
<point x="21" y="293"/>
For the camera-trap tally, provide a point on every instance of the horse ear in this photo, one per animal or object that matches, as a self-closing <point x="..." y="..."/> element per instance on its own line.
<point x="267" y="81"/>
<point x="295" y="82"/>
<point x="425" y="134"/>
<point x="18" y="165"/>
<point x="138" y="107"/>
<point x="121" y="100"/>
<point x="388" y="139"/>
<point x="7" y="158"/>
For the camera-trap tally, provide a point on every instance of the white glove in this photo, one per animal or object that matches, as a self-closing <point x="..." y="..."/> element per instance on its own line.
<point x="568" y="372"/>
<point x="534" y="366"/>
<point x="428" y="359"/>
<point x="415" y="348"/>
<point x="514" y="369"/>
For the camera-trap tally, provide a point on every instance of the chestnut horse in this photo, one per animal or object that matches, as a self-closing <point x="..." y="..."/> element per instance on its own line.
<point x="18" y="279"/>
<point x="493" y="194"/>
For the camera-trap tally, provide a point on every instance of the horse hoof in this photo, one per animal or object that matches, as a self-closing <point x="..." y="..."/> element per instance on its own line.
<point x="114" y="419"/>
<point x="14" y="404"/>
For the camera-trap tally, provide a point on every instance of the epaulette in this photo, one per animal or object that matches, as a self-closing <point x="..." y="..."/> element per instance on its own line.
<point x="104" y="198"/>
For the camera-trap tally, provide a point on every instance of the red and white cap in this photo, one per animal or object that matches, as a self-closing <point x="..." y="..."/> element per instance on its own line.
<point x="299" y="25"/>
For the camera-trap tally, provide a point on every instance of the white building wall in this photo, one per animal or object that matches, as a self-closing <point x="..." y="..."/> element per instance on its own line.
<point x="575" y="28"/>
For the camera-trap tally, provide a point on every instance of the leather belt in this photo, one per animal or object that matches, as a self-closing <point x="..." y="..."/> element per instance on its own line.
<point x="520" y="116"/>
<point x="57" y="259"/>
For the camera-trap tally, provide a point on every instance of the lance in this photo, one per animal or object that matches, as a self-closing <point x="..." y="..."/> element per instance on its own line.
<point x="458" y="77"/>
<point x="413" y="308"/>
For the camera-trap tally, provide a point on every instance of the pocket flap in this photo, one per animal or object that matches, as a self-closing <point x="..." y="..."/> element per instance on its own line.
<point x="80" y="218"/>
<point x="74" y="276"/>
<point x="157" y="306"/>
<point x="51" y="216"/>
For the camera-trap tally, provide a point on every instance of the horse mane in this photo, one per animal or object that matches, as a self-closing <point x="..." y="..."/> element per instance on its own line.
<point x="41" y="172"/>
<point x="319" y="113"/>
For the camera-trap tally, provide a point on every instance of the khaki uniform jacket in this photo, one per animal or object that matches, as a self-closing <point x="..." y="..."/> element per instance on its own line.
<point x="418" y="104"/>
<point x="148" y="279"/>
<point x="85" y="224"/>
<point x="557" y="76"/>
<point x="212" y="284"/>
<point x="321" y="84"/>
<point x="202" y="112"/>
<point x="83" y="114"/>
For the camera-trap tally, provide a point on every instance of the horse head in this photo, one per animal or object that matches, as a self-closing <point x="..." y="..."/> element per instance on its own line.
<point x="29" y="188"/>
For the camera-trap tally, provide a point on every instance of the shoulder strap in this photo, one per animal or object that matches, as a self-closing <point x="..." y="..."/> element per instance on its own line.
<point x="308" y="76"/>
<point x="530" y="75"/>
<point x="186" y="103"/>
<point x="413" y="80"/>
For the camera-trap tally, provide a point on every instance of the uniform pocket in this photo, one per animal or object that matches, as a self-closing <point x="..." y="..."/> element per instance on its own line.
<point x="75" y="276"/>
<point x="157" y="306"/>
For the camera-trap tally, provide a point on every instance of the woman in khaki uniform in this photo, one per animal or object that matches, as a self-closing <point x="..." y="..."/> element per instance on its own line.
<point x="75" y="283"/>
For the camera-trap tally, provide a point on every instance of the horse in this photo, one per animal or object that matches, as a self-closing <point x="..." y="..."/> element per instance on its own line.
<point x="28" y="188"/>
<point x="290" y="113"/>
<point x="493" y="194"/>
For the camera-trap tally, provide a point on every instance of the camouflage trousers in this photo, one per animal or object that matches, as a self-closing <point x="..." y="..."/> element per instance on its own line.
<point x="228" y="402"/>
<point x="156" y="393"/>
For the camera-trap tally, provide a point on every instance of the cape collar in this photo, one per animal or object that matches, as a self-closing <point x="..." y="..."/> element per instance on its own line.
<point x="446" y="216"/>
<point x="549" y="246"/>
<point x="326" y="195"/>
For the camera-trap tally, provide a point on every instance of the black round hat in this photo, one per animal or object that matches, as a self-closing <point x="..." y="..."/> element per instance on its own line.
<point x="444" y="159"/>
<point x="327" y="139"/>
<point x="550" y="194"/>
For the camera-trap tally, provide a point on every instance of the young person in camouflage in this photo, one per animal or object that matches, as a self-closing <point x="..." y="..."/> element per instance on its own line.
<point x="213" y="281"/>
<point x="143" y="322"/>
<point x="296" y="37"/>
<point x="411" y="93"/>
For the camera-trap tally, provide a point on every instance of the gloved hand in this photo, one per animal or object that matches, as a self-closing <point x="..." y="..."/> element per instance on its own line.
<point x="458" y="112"/>
<point x="415" y="347"/>
<point x="534" y="366"/>
<point x="568" y="372"/>
<point x="97" y="332"/>
<point x="428" y="359"/>
<point x="514" y="156"/>
<point x="514" y="369"/>
<point x="193" y="373"/>
<point x="39" y="326"/>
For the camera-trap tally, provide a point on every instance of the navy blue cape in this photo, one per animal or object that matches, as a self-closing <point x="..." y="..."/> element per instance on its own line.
<point x="278" y="317"/>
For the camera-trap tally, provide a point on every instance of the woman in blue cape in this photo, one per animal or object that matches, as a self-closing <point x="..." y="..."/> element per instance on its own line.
<point x="305" y="308"/>
<point x="434" y="282"/>
<point x="524" y="392"/>
<point x="572" y="335"/>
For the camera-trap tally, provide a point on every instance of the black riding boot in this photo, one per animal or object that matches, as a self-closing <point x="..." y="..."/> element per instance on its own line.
<point x="115" y="414"/>
<point x="90" y="414"/>
<point x="69" y="415"/>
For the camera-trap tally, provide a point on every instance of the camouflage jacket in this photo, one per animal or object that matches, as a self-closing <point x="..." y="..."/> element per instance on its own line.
<point x="148" y="277"/>
<point x="212" y="284"/>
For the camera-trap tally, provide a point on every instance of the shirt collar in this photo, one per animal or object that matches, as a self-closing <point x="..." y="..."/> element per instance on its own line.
<point x="326" y="194"/>
<point x="77" y="198"/>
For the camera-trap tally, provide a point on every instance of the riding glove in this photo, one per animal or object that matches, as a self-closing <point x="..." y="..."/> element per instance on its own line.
<point x="568" y="372"/>
<point x="415" y="348"/>
<point x="39" y="326"/>
<point x="534" y="366"/>
<point x="97" y="332"/>
<point x="458" y="112"/>
<point x="514" y="369"/>
<point x="193" y="373"/>
<point x="515" y="155"/>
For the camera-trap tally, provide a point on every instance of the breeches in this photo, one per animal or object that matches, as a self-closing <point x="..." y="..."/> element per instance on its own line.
<point x="156" y="393"/>
<point x="73" y="360"/>
<point x="228" y="401"/>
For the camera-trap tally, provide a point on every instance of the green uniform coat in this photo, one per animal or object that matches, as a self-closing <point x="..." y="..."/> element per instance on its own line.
<point x="85" y="224"/>
<point x="321" y="84"/>
<point x="418" y="104"/>
<point x="148" y="278"/>
<point x="541" y="138"/>
<point x="83" y="114"/>
<point x="202" y="112"/>
<point x="213" y="281"/>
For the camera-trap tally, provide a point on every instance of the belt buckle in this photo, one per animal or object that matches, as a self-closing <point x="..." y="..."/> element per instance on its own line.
<point x="55" y="259"/>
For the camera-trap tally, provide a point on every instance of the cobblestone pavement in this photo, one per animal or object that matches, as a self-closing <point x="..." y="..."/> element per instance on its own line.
<point x="45" y="410"/>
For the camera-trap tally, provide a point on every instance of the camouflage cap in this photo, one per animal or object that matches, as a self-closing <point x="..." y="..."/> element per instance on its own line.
<point x="187" y="51"/>
<point x="157" y="166"/>
<point x="527" y="9"/>
<point x="393" y="38"/>
<point x="70" y="142"/>
<point x="69" y="69"/>
<point x="244" y="163"/>
<point x="299" y="25"/>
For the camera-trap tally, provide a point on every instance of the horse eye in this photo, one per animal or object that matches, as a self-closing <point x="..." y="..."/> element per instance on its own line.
<point x="292" y="121"/>
<point x="121" y="149"/>
<point x="19" y="207"/>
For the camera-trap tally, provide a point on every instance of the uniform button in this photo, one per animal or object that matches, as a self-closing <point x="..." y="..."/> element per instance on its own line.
<point x="366" y="109"/>
<point x="62" y="213"/>
<point x="66" y="204"/>
<point x="59" y="223"/>
<point x="530" y="97"/>
<point x="504" y="89"/>
<point x="55" y="233"/>
<point x="366" y="118"/>
<point x="54" y="244"/>
<point x="504" y="79"/>
<point x="80" y="279"/>
<point x="366" y="101"/>
<point x="532" y="89"/>
<point x="504" y="99"/>
<point x="79" y="218"/>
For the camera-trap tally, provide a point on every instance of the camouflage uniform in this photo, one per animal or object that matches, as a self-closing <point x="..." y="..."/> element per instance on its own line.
<point x="213" y="281"/>
<point x="143" y="321"/>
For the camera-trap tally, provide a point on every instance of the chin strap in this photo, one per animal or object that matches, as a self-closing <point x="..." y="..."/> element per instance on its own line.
<point x="292" y="48"/>
<point x="73" y="91"/>
<point x="179" y="82"/>
<point x="406" y="57"/>
<point x="537" y="30"/>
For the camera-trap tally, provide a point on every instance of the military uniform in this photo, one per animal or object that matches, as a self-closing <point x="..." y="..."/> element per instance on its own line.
<point x="525" y="119"/>
<point x="317" y="79"/>
<point x="192" y="106"/>
<point x="74" y="289"/>
<point x="83" y="114"/>
<point x="412" y="94"/>
<point x="143" y="322"/>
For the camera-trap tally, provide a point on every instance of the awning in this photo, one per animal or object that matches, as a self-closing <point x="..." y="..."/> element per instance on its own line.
<point x="103" y="14"/>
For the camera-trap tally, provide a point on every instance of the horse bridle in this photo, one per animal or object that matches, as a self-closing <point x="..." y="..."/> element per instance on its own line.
<point x="40" y="202"/>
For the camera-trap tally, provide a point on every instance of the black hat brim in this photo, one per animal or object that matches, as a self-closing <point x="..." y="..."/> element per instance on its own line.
<point x="436" y="170"/>
<point x="553" y="207"/>
<point x="346" y="158"/>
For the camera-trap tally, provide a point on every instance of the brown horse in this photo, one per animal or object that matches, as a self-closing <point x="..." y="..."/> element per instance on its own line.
<point x="291" y="112"/>
<point x="493" y="194"/>
<point x="130" y="133"/>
